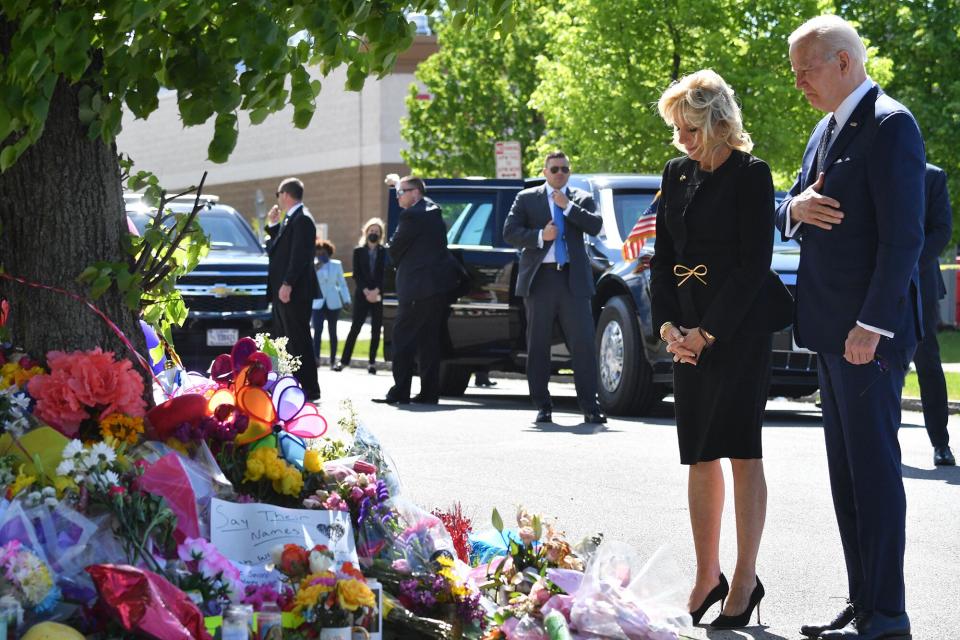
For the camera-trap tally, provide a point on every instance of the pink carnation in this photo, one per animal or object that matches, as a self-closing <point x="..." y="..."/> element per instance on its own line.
<point x="85" y="384"/>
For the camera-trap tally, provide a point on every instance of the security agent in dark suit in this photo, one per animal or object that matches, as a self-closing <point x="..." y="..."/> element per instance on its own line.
<point x="425" y="278"/>
<point x="292" y="283"/>
<point x="857" y="209"/>
<point x="547" y="224"/>
<point x="937" y="227"/>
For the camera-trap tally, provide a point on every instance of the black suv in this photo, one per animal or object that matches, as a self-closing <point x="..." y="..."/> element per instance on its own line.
<point x="227" y="293"/>
<point x="487" y="327"/>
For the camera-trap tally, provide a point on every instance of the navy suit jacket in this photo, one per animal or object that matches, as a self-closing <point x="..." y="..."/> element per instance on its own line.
<point x="530" y="213"/>
<point x="865" y="268"/>
<point x="937" y="228"/>
<point x="291" y="249"/>
<point x="418" y="248"/>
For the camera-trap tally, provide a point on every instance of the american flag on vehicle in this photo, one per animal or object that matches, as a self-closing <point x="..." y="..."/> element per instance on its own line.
<point x="646" y="227"/>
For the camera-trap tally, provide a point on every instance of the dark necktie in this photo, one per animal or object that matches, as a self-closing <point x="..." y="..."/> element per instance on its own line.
<point x="823" y="146"/>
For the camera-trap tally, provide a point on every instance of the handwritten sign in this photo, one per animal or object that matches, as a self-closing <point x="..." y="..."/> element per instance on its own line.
<point x="248" y="533"/>
<point x="509" y="159"/>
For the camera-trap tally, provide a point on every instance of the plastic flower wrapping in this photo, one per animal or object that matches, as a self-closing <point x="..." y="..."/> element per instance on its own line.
<point x="27" y="578"/>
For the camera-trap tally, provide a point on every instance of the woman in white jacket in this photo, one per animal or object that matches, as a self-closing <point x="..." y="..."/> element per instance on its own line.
<point x="334" y="294"/>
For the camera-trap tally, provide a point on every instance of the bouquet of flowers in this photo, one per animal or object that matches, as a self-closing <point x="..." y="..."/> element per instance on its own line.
<point x="208" y="575"/>
<point x="325" y="596"/>
<point x="26" y="578"/>
<point x="83" y="388"/>
<point x="443" y="594"/>
<point x="100" y="479"/>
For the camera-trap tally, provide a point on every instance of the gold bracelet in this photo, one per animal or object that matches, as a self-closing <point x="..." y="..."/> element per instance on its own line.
<point x="707" y="337"/>
<point x="664" y="326"/>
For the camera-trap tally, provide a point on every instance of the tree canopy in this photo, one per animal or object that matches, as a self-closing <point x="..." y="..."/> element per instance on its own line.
<point x="68" y="70"/>
<point x="604" y="63"/>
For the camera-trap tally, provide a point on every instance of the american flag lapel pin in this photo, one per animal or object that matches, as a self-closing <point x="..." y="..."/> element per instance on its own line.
<point x="853" y="124"/>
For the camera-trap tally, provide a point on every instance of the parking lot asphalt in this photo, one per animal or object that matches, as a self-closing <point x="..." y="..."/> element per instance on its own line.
<point x="624" y="480"/>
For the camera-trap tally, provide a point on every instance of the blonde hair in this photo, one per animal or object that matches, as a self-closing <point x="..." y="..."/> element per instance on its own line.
<point x="705" y="101"/>
<point x="833" y="34"/>
<point x="366" y="225"/>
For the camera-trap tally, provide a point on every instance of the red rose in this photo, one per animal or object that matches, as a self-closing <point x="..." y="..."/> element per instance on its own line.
<point x="295" y="561"/>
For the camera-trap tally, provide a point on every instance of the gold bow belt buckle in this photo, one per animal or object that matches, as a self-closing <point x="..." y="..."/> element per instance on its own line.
<point x="685" y="273"/>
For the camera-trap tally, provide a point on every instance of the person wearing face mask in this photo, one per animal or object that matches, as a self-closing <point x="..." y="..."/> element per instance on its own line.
<point x="334" y="294"/>
<point x="369" y="260"/>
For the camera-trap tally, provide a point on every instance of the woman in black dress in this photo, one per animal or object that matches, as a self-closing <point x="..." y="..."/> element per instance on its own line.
<point x="368" y="264"/>
<point x="717" y="304"/>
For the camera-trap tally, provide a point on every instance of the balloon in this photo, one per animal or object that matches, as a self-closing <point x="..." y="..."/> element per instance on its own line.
<point x="167" y="416"/>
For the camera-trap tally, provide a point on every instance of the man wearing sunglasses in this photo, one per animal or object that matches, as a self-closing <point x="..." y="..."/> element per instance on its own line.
<point x="547" y="224"/>
<point x="425" y="278"/>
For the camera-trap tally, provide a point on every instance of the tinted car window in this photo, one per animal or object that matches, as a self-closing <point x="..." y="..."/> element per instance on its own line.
<point x="628" y="204"/>
<point x="469" y="218"/>
<point x="226" y="231"/>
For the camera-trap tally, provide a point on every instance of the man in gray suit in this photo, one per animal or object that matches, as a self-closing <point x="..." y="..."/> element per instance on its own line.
<point x="547" y="224"/>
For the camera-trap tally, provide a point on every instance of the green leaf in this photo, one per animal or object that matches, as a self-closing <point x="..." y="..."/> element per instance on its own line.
<point x="224" y="137"/>
<point x="496" y="520"/>
<point x="99" y="286"/>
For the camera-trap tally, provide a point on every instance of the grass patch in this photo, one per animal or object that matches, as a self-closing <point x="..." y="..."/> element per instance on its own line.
<point x="949" y="341"/>
<point x="912" y="390"/>
<point x="361" y="349"/>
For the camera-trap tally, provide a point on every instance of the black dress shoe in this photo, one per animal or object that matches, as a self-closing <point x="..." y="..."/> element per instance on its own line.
<point x="392" y="400"/>
<point x="544" y="415"/>
<point x="595" y="417"/>
<point x="717" y="594"/>
<point x="841" y="620"/>
<point x="943" y="457"/>
<point x="874" y="626"/>
<point x="337" y="367"/>
<point x="743" y="619"/>
<point x="419" y="399"/>
<point x="372" y="369"/>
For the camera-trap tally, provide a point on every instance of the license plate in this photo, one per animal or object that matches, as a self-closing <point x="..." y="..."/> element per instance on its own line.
<point x="222" y="337"/>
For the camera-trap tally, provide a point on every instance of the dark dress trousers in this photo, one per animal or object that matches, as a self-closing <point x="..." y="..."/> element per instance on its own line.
<point x="937" y="228"/>
<point x="425" y="277"/>
<point x="711" y="270"/>
<point x="291" y="249"/>
<point x="552" y="295"/>
<point x="865" y="269"/>
<point x="366" y="278"/>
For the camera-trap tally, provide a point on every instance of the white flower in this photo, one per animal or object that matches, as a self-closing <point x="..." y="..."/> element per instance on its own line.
<point x="66" y="467"/>
<point x="73" y="450"/>
<point x="320" y="562"/>
<point x="50" y="502"/>
<point x="101" y="452"/>
<point x="103" y="480"/>
<point x="20" y="400"/>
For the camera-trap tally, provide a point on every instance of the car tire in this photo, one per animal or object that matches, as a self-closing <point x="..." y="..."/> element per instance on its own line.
<point x="625" y="377"/>
<point x="454" y="379"/>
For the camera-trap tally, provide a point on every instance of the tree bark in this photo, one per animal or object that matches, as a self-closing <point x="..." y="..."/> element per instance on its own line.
<point x="61" y="210"/>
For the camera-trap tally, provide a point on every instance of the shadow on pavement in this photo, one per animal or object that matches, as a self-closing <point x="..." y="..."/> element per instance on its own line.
<point x="582" y="429"/>
<point x="757" y="633"/>
<point x="949" y="475"/>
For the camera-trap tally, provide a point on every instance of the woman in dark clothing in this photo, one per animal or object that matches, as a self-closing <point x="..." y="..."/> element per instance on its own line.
<point x="368" y="264"/>
<point x="717" y="304"/>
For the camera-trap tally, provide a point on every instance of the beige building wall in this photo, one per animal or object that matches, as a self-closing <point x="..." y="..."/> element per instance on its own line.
<point x="352" y="141"/>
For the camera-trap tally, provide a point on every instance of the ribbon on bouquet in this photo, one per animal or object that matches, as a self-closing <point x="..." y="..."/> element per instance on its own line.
<point x="110" y="323"/>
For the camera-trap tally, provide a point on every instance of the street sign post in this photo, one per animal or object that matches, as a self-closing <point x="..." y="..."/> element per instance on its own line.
<point x="509" y="159"/>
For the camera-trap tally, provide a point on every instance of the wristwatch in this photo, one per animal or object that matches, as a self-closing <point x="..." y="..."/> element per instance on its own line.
<point x="663" y="327"/>
<point x="707" y="337"/>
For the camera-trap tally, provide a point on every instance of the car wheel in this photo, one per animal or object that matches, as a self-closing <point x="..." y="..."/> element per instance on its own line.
<point x="454" y="379"/>
<point x="626" y="379"/>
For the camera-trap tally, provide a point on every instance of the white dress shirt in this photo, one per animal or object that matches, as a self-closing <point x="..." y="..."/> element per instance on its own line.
<point x="551" y="257"/>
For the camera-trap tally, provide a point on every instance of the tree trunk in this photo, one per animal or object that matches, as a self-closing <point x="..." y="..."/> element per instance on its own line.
<point x="61" y="210"/>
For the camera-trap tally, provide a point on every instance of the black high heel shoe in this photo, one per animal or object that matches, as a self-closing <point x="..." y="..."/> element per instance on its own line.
<point x="717" y="594"/>
<point x="741" y="620"/>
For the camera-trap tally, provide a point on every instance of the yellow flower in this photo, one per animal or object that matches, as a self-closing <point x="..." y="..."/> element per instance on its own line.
<point x="22" y="482"/>
<point x="118" y="428"/>
<point x="308" y="595"/>
<point x="178" y="445"/>
<point x="312" y="461"/>
<point x="62" y="483"/>
<point x="7" y="373"/>
<point x="21" y="376"/>
<point x="290" y="483"/>
<point x="352" y="594"/>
